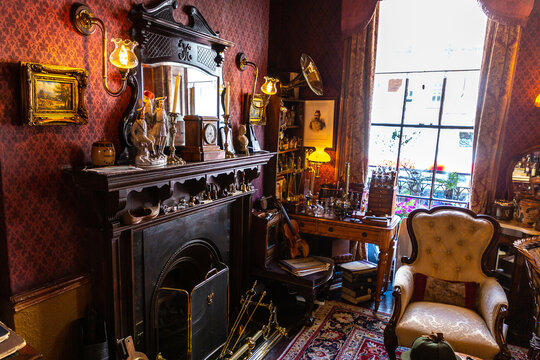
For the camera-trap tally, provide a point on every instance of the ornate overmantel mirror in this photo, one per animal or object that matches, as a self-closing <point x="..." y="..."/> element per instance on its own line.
<point x="169" y="51"/>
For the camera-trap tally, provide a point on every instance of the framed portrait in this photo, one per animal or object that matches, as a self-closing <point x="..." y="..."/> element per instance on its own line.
<point x="53" y="95"/>
<point x="255" y="110"/>
<point x="319" y="123"/>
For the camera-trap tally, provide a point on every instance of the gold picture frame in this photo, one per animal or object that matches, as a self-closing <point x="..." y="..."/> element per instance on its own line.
<point x="256" y="109"/>
<point x="53" y="95"/>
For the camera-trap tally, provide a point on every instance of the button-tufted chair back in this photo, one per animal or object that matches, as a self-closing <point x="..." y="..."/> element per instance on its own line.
<point x="451" y="243"/>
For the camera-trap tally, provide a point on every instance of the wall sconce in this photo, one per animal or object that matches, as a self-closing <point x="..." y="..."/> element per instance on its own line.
<point x="123" y="57"/>
<point x="318" y="157"/>
<point x="309" y="76"/>
<point x="241" y="64"/>
<point x="537" y="101"/>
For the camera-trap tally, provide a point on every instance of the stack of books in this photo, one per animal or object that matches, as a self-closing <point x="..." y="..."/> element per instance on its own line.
<point x="304" y="266"/>
<point x="9" y="341"/>
<point x="358" y="281"/>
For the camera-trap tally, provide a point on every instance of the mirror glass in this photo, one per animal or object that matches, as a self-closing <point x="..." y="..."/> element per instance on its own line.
<point x="526" y="172"/>
<point x="198" y="91"/>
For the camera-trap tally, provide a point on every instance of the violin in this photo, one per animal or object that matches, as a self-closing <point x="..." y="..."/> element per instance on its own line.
<point x="298" y="247"/>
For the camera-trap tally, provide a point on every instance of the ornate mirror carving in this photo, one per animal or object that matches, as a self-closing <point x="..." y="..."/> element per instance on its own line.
<point x="194" y="52"/>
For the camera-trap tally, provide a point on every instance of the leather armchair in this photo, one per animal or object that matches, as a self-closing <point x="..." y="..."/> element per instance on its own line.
<point x="452" y="244"/>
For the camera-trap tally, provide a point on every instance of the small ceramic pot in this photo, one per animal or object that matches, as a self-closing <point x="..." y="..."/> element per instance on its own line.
<point x="103" y="153"/>
<point x="529" y="212"/>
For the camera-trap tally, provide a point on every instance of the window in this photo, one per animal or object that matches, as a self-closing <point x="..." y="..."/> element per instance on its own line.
<point x="424" y="99"/>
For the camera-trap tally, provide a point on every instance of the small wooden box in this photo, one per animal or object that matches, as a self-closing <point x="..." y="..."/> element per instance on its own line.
<point x="265" y="234"/>
<point x="382" y="194"/>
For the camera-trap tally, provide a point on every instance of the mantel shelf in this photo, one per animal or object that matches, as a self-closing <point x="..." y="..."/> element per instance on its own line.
<point x="109" y="196"/>
<point x="111" y="182"/>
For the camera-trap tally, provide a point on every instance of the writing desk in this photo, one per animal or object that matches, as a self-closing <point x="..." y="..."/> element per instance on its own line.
<point x="383" y="236"/>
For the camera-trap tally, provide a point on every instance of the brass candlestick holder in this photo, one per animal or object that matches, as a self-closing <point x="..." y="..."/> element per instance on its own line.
<point x="226" y="129"/>
<point x="173" y="159"/>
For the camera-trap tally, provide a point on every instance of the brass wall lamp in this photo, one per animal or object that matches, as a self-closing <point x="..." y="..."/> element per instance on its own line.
<point x="242" y="63"/>
<point x="123" y="57"/>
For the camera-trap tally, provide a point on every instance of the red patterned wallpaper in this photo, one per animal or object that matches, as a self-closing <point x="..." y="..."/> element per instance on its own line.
<point x="523" y="127"/>
<point x="42" y="238"/>
<point x="312" y="27"/>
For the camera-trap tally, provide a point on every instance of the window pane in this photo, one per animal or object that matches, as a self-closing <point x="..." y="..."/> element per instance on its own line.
<point x="430" y="35"/>
<point x="383" y="146"/>
<point x="388" y="98"/>
<point x="460" y="98"/>
<point x="416" y="159"/>
<point x="455" y="150"/>
<point x="423" y="99"/>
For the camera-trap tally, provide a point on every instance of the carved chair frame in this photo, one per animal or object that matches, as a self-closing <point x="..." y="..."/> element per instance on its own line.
<point x="390" y="337"/>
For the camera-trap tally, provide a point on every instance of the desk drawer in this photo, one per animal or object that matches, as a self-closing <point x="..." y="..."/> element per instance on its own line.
<point x="309" y="227"/>
<point x="346" y="232"/>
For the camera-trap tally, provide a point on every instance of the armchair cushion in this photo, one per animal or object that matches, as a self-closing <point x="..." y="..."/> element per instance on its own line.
<point x="447" y="292"/>
<point x="463" y="328"/>
<point x="491" y="297"/>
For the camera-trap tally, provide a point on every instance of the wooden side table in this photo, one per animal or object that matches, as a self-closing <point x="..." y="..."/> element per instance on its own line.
<point x="308" y="286"/>
<point x="516" y="283"/>
<point x="26" y="353"/>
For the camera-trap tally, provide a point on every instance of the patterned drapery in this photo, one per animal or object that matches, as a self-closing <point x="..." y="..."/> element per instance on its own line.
<point x="355" y="102"/>
<point x="355" y="15"/>
<point x="496" y="78"/>
<point x="508" y="12"/>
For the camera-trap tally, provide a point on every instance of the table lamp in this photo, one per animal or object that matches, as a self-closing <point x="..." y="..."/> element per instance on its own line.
<point x="318" y="157"/>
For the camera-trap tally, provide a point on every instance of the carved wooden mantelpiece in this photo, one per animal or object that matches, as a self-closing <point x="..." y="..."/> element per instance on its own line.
<point x="108" y="196"/>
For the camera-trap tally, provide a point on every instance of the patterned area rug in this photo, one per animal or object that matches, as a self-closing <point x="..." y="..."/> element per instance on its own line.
<point x="347" y="332"/>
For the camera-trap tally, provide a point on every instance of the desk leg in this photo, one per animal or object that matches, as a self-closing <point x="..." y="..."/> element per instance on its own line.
<point x="381" y="270"/>
<point x="388" y="269"/>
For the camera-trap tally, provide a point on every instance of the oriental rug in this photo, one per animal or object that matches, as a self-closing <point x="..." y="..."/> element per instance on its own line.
<point x="347" y="332"/>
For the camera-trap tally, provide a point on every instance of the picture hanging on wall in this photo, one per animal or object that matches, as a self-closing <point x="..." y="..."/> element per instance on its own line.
<point x="319" y="123"/>
<point x="53" y="95"/>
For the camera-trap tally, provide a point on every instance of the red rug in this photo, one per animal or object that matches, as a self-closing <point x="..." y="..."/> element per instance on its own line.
<point x="347" y="332"/>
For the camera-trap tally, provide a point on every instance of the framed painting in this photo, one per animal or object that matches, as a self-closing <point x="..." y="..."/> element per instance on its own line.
<point x="319" y="123"/>
<point x="53" y="95"/>
<point x="256" y="109"/>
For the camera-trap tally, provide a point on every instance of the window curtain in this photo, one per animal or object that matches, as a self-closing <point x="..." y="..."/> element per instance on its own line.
<point x="508" y="12"/>
<point x="355" y="100"/>
<point x="496" y="78"/>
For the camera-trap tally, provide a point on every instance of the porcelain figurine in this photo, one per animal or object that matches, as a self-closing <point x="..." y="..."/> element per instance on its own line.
<point x="146" y="156"/>
<point x="160" y="130"/>
<point x="242" y="139"/>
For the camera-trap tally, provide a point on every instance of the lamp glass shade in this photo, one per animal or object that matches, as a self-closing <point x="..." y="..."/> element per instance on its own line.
<point x="319" y="156"/>
<point x="270" y="85"/>
<point x="123" y="56"/>
<point x="537" y="101"/>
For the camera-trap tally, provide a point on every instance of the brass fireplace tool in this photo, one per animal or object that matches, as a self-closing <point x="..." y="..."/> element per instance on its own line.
<point x="271" y="332"/>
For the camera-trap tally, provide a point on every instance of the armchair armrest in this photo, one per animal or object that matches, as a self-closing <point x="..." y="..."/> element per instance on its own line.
<point x="490" y="300"/>
<point x="404" y="280"/>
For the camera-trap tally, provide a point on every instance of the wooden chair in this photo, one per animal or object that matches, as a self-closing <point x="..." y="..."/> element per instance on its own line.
<point x="450" y="244"/>
<point x="530" y="248"/>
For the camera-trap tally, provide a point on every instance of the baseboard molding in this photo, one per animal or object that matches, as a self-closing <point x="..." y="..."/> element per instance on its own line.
<point x="48" y="291"/>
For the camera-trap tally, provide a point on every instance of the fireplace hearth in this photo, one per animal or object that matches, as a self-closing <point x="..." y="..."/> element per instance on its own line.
<point x="135" y="264"/>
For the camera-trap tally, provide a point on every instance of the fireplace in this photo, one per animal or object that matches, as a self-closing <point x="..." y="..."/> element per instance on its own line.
<point x="177" y="265"/>
<point x="176" y="250"/>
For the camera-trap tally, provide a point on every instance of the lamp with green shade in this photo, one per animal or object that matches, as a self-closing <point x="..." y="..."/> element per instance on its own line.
<point x="318" y="157"/>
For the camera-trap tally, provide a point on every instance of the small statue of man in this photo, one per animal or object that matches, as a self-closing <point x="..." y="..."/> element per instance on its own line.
<point x="242" y="139"/>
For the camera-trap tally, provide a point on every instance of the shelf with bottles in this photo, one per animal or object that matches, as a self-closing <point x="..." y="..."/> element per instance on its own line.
<point x="289" y="150"/>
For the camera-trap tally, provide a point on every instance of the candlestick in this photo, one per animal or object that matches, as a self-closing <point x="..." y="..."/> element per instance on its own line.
<point x="173" y="159"/>
<point x="227" y="96"/>
<point x="347" y="176"/>
<point x="176" y="90"/>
